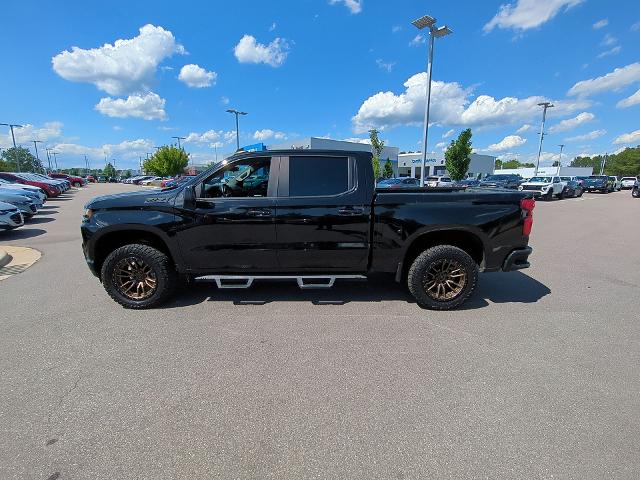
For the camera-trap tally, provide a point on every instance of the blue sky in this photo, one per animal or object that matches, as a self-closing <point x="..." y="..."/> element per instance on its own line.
<point x="123" y="77"/>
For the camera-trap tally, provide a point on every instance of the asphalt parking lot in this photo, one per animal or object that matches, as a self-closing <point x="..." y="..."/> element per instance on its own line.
<point x="536" y="377"/>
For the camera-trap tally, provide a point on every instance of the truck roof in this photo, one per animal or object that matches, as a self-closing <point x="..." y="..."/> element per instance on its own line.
<point x="299" y="152"/>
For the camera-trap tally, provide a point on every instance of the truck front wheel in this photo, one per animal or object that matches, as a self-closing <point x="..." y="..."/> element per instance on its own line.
<point x="138" y="276"/>
<point x="442" y="277"/>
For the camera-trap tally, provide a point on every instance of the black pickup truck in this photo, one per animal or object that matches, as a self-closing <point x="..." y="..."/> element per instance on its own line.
<point x="305" y="215"/>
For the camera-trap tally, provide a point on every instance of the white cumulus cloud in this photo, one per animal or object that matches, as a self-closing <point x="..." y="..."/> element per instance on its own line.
<point x="450" y="105"/>
<point x="354" y="6"/>
<point x="619" y="78"/>
<point x="612" y="51"/>
<point x="507" y="143"/>
<point x="526" y="14"/>
<point x="149" y="106"/>
<point x="587" y="136"/>
<point x="628" y="138"/>
<point x="28" y="132"/>
<point x="197" y="77"/>
<point x="570" y="123"/>
<point x="267" y="133"/>
<point x="125" y="66"/>
<point x="601" y="23"/>
<point x="248" y="50"/>
<point x="629" y="101"/>
<point x="448" y="133"/>
<point x="525" y="128"/>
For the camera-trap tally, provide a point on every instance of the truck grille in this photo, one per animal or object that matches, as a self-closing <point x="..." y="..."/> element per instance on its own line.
<point x="531" y="187"/>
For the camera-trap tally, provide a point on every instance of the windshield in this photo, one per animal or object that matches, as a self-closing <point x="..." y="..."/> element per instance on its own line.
<point x="541" y="179"/>
<point x="390" y="181"/>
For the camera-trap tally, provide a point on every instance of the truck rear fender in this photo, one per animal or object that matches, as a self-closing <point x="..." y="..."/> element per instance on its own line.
<point x="421" y="241"/>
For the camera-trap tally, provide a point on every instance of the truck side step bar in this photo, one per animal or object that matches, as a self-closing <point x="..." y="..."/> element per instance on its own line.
<point x="303" y="281"/>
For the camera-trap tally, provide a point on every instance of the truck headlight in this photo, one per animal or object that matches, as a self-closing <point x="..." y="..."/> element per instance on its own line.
<point x="87" y="215"/>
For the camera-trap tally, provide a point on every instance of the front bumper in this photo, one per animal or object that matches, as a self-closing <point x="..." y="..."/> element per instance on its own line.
<point x="517" y="260"/>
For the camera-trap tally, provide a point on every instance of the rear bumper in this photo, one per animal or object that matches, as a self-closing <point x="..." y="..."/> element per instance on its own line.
<point x="517" y="260"/>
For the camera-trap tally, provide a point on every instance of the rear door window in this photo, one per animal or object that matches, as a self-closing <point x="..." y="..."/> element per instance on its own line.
<point x="312" y="176"/>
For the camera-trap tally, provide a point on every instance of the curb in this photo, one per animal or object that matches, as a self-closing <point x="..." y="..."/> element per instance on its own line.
<point x="5" y="258"/>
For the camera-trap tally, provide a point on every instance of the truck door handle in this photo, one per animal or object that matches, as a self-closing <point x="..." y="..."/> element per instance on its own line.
<point x="259" y="212"/>
<point x="350" y="211"/>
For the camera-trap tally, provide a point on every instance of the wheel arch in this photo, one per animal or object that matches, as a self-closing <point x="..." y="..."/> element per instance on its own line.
<point x="113" y="239"/>
<point x="465" y="240"/>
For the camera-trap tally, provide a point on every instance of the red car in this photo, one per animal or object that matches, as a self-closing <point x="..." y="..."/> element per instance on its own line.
<point x="47" y="188"/>
<point x="73" y="180"/>
<point x="90" y="179"/>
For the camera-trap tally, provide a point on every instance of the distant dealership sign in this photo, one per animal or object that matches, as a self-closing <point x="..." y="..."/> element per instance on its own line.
<point x="256" y="147"/>
<point x="428" y="160"/>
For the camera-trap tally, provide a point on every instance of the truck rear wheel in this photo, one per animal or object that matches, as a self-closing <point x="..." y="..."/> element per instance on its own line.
<point x="138" y="276"/>
<point x="442" y="277"/>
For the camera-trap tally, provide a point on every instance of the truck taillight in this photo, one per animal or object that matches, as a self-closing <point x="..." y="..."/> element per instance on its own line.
<point x="527" y="205"/>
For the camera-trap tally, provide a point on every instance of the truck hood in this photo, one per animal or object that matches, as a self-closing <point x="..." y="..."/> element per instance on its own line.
<point x="594" y="181"/>
<point x="133" y="199"/>
<point x="536" y="184"/>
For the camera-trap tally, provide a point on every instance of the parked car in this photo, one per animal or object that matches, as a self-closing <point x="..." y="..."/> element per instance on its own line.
<point x="627" y="182"/>
<point x="102" y="179"/>
<point x="501" y="181"/>
<point x="438" y="181"/>
<point x="75" y="181"/>
<point x="10" y="217"/>
<point x="148" y="181"/>
<point x="545" y="187"/>
<point x="601" y="183"/>
<point x="275" y="218"/>
<point x="136" y="181"/>
<point x="403" y="182"/>
<point x="90" y="178"/>
<point x="63" y="183"/>
<point x="469" y="182"/>
<point x="617" y="184"/>
<point x="21" y="187"/>
<point x="635" y="191"/>
<point x="31" y="195"/>
<point x="572" y="189"/>
<point x="49" y="189"/>
<point x="26" y="206"/>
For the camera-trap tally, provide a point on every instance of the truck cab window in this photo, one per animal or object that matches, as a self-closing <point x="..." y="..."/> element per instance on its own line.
<point x="245" y="178"/>
<point x="312" y="176"/>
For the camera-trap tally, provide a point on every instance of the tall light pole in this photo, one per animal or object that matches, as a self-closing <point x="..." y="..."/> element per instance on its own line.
<point x="434" y="32"/>
<point x="545" y="106"/>
<point x="35" y="145"/>
<point x="55" y="159"/>
<point x="237" y="113"/>
<point x="560" y="159"/>
<point x="48" y="150"/>
<point x="179" y="138"/>
<point x="13" y="137"/>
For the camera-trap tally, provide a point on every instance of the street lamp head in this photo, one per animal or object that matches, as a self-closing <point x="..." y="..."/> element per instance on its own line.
<point x="424" y="22"/>
<point x="546" y="104"/>
<point x="441" y="32"/>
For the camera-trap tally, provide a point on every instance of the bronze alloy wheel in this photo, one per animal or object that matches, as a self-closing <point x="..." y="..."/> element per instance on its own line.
<point x="134" y="278"/>
<point x="444" y="280"/>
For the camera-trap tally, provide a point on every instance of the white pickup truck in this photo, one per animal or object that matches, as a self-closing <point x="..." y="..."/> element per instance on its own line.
<point x="544" y="187"/>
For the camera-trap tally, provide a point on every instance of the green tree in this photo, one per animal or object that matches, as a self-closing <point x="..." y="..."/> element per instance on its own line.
<point x="126" y="174"/>
<point x="110" y="170"/>
<point x="387" y="172"/>
<point x="458" y="155"/>
<point x="168" y="160"/>
<point x="623" y="164"/>
<point x="377" y="146"/>
<point x="12" y="157"/>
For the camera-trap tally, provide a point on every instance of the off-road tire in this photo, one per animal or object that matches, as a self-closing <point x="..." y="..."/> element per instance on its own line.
<point x="161" y="265"/>
<point x="422" y="264"/>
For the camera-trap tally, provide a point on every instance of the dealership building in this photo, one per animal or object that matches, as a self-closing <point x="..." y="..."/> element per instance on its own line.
<point x="548" y="171"/>
<point x="410" y="164"/>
